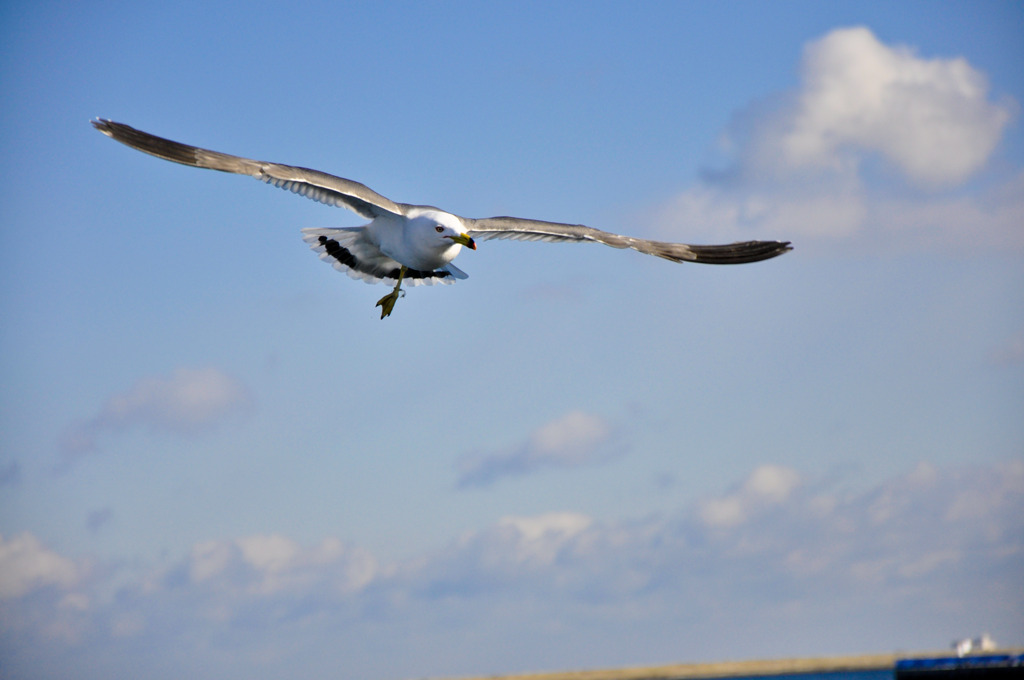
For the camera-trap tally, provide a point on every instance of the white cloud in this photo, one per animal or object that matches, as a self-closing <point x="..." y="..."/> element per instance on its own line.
<point x="554" y="524"/>
<point x="26" y="565"/>
<point x="766" y="486"/>
<point x="570" y="438"/>
<point x="930" y="117"/>
<point x="573" y="440"/>
<point x="270" y="554"/>
<point x="265" y="564"/>
<point x="187" y="401"/>
<point x="801" y="164"/>
<point x="538" y="539"/>
<point x="771" y="483"/>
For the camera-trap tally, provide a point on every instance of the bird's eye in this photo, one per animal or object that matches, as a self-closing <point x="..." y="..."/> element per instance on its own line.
<point x="439" y="229"/>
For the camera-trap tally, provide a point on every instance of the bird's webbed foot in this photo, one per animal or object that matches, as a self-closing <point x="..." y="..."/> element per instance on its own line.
<point x="387" y="303"/>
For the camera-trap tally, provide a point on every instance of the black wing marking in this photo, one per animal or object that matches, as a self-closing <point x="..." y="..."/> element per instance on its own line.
<point x="349" y="252"/>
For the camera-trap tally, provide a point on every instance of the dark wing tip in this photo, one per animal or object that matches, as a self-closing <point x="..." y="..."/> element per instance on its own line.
<point x="143" y="141"/>
<point x="118" y="131"/>
<point x="740" y="253"/>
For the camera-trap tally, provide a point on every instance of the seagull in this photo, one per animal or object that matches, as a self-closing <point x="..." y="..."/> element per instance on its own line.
<point x="413" y="244"/>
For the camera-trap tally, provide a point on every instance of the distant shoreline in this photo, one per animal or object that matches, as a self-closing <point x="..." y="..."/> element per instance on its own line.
<point x="732" y="669"/>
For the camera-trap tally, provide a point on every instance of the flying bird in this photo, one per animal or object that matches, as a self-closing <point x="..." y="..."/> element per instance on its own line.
<point x="413" y="244"/>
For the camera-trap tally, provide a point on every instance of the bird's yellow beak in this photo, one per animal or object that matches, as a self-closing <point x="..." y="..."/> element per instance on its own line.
<point x="464" y="240"/>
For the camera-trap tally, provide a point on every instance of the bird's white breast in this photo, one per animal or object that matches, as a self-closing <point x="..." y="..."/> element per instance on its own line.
<point x="413" y="241"/>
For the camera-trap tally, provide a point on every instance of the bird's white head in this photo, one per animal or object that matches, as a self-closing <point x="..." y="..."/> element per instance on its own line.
<point x="440" y="232"/>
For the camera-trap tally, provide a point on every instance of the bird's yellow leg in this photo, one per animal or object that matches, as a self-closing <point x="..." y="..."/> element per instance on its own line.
<point x="387" y="303"/>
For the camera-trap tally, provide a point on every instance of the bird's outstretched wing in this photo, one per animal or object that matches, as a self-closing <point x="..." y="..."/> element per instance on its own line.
<point x="362" y="200"/>
<point x="314" y="184"/>
<point x="537" y="230"/>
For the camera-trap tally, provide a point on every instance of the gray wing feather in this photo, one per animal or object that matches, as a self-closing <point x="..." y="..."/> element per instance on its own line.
<point x="538" y="230"/>
<point x="319" y="186"/>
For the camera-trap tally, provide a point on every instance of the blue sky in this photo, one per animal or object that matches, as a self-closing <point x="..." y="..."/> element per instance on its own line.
<point x="216" y="460"/>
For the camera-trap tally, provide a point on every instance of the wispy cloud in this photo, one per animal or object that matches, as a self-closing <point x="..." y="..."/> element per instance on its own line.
<point x="820" y="162"/>
<point x="767" y="486"/>
<point x="188" y="401"/>
<point x="26" y="565"/>
<point x="776" y="555"/>
<point x="575" y="439"/>
<point x="267" y="564"/>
